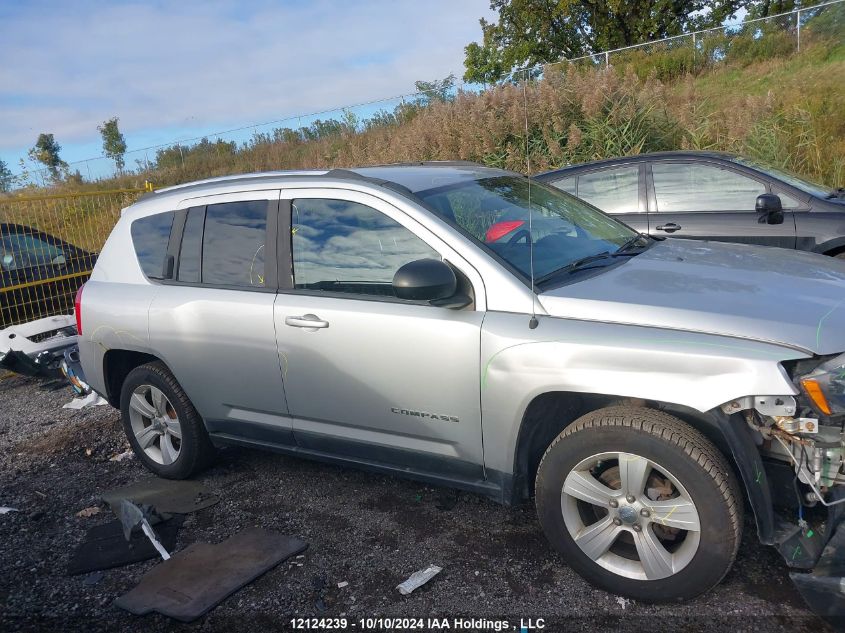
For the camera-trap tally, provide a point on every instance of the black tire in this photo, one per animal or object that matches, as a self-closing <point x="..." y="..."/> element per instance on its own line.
<point x="674" y="445"/>
<point x="196" y="450"/>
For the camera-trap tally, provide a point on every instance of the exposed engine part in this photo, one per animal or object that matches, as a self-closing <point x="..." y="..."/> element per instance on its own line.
<point x="797" y="425"/>
<point x="816" y="466"/>
<point x="771" y="406"/>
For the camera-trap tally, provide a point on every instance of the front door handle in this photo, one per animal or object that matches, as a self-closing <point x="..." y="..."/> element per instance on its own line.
<point x="308" y="321"/>
<point x="669" y="228"/>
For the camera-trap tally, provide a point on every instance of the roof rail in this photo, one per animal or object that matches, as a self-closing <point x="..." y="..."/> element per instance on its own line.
<point x="257" y="174"/>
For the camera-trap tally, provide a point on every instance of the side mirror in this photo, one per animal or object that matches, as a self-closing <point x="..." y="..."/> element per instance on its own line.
<point x="425" y="280"/>
<point x="769" y="208"/>
<point x="429" y="280"/>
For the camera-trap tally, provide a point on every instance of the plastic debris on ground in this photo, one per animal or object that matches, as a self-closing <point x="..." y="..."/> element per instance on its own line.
<point x="86" y="513"/>
<point x="418" y="579"/>
<point x="93" y="399"/>
<point x="6" y="510"/>
<point x="198" y="578"/>
<point x="133" y="517"/>
<point x="127" y="454"/>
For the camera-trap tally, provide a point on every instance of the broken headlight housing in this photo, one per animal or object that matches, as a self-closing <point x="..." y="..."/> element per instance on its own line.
<point x="825" y="386"/>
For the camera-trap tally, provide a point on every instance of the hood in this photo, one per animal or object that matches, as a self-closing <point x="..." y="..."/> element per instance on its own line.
<point x="766" y="294"/>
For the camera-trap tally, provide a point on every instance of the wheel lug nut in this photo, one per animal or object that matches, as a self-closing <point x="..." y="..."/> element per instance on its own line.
<point x="617" y="521"/>
<point x="631" y="498"/>
<point x="614" y="503"/>
<point x="645" y="512"/>
<point x="636" y="527"/>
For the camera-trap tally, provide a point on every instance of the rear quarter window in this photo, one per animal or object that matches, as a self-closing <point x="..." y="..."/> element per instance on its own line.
<point x="150" y="236"/>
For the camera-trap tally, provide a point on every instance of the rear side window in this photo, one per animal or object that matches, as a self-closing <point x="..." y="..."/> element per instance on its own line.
<point x="150" y="236"/>
<point x="566" y="184"/>
<point x="191" y="249"/>
<point x="614" y="190"/>
<point x="233" y="244"/>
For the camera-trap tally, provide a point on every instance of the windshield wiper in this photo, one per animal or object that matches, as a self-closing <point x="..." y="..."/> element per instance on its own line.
<point x="578" y="264"/>
<point x="630" y="243"/>
<point x="836" y="193"/>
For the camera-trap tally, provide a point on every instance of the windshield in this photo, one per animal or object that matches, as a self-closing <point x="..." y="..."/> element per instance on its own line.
<point x="494" y="211"/>
<point x="791" y="179"/>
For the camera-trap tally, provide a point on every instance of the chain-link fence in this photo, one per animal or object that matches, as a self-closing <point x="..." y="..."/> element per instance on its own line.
<point x="48" y="246"/>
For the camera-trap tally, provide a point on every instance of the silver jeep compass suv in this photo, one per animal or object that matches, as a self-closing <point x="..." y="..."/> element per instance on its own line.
<point x="469" y="327"/>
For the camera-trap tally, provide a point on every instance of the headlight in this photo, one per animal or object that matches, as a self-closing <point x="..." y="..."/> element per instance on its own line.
<point x="825" y="386"/>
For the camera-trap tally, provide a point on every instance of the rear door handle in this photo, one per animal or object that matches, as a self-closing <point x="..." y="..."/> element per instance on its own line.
<point x="308" y="321"/>
<point x="669" y="228"/>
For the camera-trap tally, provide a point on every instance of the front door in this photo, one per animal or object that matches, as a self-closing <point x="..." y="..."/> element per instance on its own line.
<point x="367" y="375"/>
<point x="709" y="202"/>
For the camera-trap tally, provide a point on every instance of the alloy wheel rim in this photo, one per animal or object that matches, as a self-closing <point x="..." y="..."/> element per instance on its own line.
<point x="155" y="424"/>
<point x="630" y="516"/>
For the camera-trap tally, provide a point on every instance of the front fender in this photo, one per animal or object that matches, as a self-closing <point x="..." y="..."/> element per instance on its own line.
<point x="694" y="370"/>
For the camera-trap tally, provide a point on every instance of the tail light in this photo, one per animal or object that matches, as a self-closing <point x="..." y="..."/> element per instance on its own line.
<point x="77" y="309"/>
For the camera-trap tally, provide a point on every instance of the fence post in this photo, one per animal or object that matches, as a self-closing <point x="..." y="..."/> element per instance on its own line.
<point x="694" y="46"/>
<point x="607" y="58"/>
<point x="798" y="29"/>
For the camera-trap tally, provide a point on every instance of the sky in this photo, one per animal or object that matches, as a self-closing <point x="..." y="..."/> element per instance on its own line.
<point x="180" y="69"/>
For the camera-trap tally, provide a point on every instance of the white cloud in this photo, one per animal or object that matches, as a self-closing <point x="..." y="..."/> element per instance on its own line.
<point x="211" y="64"/>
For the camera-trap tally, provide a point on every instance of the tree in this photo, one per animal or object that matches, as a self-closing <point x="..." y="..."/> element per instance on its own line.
<point x="533" y="32"/>
<point x="114" y="143"/>
<point x="6" y="178"/>
<point x="437" y="90"/>
<point x="46" y="152"/>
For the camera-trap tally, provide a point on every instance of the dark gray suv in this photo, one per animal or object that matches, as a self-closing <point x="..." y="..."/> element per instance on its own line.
<point x="711" y="196"/>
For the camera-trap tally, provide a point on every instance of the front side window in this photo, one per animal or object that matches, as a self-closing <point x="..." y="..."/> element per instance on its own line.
<point x="614" y="190"/>
<point x="150" y="236"/>
<point x="697" y="187"/>
<point x="233" y="244"/>
<point x="342" y="246"/>
<point x="495" y="211"/>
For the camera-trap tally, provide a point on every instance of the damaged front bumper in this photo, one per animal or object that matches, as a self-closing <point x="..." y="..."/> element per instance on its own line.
<point x="38" y="347"/>
<point x="824" y="588"/>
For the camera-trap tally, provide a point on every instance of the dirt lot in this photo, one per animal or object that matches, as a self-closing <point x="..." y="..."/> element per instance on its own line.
<point x="369" y="530"/>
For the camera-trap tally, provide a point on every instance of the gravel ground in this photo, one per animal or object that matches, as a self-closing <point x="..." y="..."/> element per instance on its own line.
<point x="368" y="530"/>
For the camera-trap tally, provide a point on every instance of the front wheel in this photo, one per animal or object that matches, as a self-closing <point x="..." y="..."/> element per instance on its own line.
<point x="640" y="504"/>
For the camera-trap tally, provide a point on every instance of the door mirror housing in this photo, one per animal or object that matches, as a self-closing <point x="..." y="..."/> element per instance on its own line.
<point x="429" y="280"/>
<point x="769" y="207"/>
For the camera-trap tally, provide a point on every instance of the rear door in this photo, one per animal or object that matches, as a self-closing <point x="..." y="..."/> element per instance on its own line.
<point x="212" y="320"/>
<point x="709" y="201"/>
<point x="619" y="190"/>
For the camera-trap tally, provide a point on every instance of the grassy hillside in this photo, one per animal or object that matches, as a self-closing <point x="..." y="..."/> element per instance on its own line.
<point x="746" y="94"/>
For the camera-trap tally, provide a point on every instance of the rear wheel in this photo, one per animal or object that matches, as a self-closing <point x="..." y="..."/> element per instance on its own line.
<point x="163" y="427"/>
<point x="640" y="504"/>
